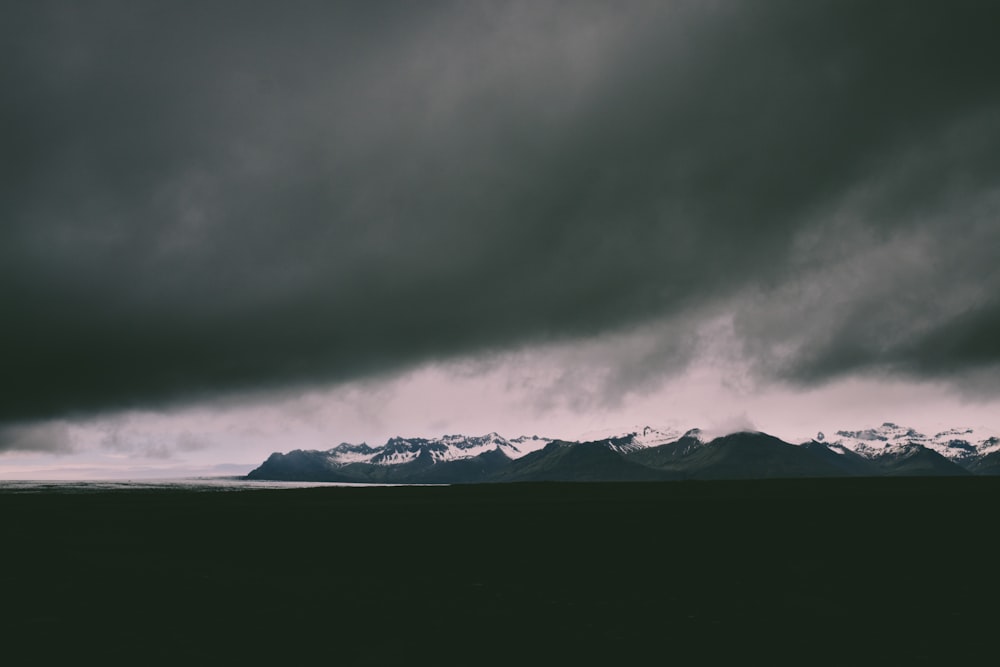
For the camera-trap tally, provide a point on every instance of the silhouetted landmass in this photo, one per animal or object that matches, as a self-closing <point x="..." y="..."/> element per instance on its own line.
<point x="818" y="571"/>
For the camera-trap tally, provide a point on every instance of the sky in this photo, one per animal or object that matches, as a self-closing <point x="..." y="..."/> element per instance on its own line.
<point x="232" y="228"/>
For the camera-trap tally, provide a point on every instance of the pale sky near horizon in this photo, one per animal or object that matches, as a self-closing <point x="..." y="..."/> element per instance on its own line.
<point x="233" y="437"/>
<point x="228" y="229"/>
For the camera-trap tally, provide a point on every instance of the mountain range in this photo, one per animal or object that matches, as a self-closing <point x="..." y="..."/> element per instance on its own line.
<point x="643" y="454"/>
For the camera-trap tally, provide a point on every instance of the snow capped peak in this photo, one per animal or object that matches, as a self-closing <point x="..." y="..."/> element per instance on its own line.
<point x="635" y="437"/>
<point x="884" y="433"/>
<point x="453" y="447"/>
<point x="890" y="438"/>
<point x="961" y="445"/>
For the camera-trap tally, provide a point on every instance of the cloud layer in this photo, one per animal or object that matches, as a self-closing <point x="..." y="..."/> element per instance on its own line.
<point x="198" y="200"/>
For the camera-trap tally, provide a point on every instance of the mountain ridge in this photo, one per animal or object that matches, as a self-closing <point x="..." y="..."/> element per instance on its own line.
<point x="643" y="454"/>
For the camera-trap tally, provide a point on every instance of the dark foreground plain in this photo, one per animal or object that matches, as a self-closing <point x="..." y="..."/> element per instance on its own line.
<point x="833" y="572"/>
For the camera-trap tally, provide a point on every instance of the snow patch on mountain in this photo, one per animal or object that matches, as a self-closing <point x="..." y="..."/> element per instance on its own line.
<point x="526" y="444"/>
<point x="652" y="437"/>
<point x="345" y="453"/>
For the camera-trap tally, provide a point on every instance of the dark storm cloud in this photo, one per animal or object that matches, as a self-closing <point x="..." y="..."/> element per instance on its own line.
<point x="211" y="197"/>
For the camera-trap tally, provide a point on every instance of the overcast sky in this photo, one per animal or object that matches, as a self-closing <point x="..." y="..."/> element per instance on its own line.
<point x="230" y="228"/>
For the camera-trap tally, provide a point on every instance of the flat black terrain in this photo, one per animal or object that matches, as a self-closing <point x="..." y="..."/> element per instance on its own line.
<point x="833" y="571"/>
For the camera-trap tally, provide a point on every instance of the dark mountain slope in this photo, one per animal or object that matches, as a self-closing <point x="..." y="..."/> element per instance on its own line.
<point x="663" y="456"/>
<point x="563" y="461"/>
<point x="848" y="462"/>
<point x="753" y="456"/>
<point x="482" y="468"/>
<point x="987" y="465"/>
<point x="298" y="465"/>
<point x="918" y="461"/>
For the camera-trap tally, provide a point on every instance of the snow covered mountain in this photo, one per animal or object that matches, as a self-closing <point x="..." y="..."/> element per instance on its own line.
<point x="397" y="451"/>
<point x="636" y="438"/>
<point x="644" y="453"/>
<point x="446" y="448"/>
<point x="959" y="445"/>
<point x="448" y="459"/>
